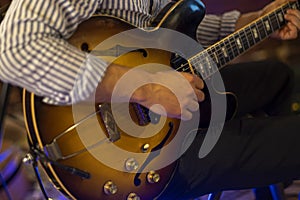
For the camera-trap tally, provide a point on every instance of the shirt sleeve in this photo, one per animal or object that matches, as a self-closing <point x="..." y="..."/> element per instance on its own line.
<point x="35" y="54"/>
<point x="215" y="27"/>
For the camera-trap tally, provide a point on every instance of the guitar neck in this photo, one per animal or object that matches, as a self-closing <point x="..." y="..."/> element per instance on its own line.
<point x="209" y="61"/>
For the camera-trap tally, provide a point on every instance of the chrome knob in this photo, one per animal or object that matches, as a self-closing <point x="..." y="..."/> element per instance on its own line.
<point x="133" y="196"/>
<point x="153" y="177"/>
<point x="110" y="188"/>
<point x="131" y="164"/>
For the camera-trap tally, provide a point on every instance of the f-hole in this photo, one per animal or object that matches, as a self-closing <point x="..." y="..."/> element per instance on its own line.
<point x="85" y="47"/>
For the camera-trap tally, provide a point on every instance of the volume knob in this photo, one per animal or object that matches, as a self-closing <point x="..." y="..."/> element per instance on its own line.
<point x="153" y="177"/>
<point x="131" y="164"/>
<point x="110" y="188"/>
<point x="133" y="196"/>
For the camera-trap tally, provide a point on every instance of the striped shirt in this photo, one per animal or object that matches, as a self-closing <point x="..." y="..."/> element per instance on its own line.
<point x="35" y="54"/>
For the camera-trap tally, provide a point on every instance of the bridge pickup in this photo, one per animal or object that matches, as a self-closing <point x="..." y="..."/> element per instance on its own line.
<point x="109" y="122"/>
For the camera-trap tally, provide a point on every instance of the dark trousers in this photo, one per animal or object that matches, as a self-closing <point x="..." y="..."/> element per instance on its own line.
<point x="251" y="151"/>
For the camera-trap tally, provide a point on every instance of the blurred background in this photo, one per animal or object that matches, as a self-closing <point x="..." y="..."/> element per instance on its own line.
<point x="18" y="180"/>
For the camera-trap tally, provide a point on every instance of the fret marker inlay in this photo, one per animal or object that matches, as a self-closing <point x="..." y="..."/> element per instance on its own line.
<point x="216" y="57"/>
<point x="238" y="41"/>
<point x="267" y="24"/>
<point x="255" y="33"/>
<point x="280" y="17"/>
<point x="208" y="62"/>
<point x="224" y="52"/>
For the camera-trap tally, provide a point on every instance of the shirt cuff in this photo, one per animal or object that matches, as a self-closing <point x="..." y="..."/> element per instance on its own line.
<point x="215" y="27"/>
<point x="228" y="23"/>
<point x="88" y="78"/>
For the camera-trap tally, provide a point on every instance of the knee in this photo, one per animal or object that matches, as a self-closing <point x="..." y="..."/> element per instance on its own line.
<point x="283" y="73"/>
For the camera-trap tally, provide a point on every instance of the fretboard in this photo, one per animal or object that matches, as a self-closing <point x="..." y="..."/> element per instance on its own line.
<point x="210" y="60"/>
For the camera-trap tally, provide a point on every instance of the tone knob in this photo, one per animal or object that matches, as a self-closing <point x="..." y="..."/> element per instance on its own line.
<point x="131" y="164"/>
<point x="133" y="196"/>
<point x="153" y="177"/>
<point x="110" y="188"/>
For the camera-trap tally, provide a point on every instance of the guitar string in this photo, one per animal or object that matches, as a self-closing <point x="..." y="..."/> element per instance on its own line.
<point x="219" y="53"/>
<point x="68" y="130"/>
<point x="117" y="107"/>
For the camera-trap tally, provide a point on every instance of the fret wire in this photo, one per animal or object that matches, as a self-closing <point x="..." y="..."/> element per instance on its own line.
<point x="278" y="25"/>
<point x="255" y="33"/>
<point x="229" y="49"/>
<point x="212" y="64"/>
<point x="246" y="38"/>
<point x="215" y="63"/>
<point x="264" y="29"/>
<point x="223" y="58"/>
<point x="233" y="50"/>
<point x="217" y="55"/>
<point x="203" y="75"/>
<point x="206" y="63"/>
<point x="218" y="52"/>
<point x="233" y="46"/>
<point x="201" y="59"/>
<point x="215" y="66"/>
<point x="249" y="35"/>
<point x="282" y="12"/>
<point x="202" y="65"/>
<point x="293" y="5"/>
<point x="283" y="8"/>
<point x="277" y="20"/>
<point x="257" y="28"/>
<point x="270" y="24"/>
<point x="264" y="19"/>
<point x="289" y="5"/>
<point x="223" y="51"/>
<point x="213" y="57"/>
<point x="260" y="29"/>
<point x="209" y="52"/>
<point x="238" y="42"/>
<point x="245" y="41"/>
<point x="195" y="62"/>
<point x="209" y="62"/>
<point x="182" y="67"/>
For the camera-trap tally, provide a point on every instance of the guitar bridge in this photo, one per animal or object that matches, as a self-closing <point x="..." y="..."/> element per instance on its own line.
<point x="109" y="122"/>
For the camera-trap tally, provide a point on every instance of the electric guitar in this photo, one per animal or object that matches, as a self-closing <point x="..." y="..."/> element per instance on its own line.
<point x="83" y="149"/>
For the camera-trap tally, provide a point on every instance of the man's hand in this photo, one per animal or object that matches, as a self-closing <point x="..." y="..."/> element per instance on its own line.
<point x="291" y="29"/>
<point x="170" y="93"/>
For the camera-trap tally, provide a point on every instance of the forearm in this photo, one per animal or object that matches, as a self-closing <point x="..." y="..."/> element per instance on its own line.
<point x="215" y="27"/>
<point x="35" y="53"/>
